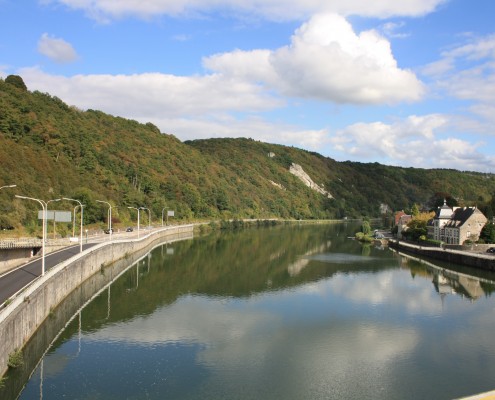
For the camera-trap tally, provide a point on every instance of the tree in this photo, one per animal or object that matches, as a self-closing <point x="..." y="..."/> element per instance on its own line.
<point x="418" y="226"/>
<point x="365" y="227"/>
<point x="488" y="233"/>
<point x="438" y="199"/>
<point x="17" y="81"/>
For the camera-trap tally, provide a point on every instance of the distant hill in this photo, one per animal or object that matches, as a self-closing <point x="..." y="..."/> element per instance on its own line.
<point x="49" y="149"/>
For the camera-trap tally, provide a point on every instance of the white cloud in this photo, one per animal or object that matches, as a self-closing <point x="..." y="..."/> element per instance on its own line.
<point x="467" y="72"/>
<point x="153" y="95"/>
<point x="188" y="107"/>
<point x="327" y="61"/>
<point x="269" y="9"/>
<point x="56" y="49"/>
<point x="390" y="29"/>
<point x="413" y="142"/>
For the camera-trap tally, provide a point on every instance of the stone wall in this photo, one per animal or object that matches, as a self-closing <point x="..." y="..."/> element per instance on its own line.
<point x="20" y="319"/>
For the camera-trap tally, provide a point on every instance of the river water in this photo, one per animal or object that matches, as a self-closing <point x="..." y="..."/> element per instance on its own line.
<point x="299" y="312"/>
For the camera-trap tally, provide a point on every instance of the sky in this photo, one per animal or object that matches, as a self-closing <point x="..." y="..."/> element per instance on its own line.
<point x="408" y="83"/>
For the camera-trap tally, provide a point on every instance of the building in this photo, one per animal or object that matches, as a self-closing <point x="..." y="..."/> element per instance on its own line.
<point x="402" y="225"/>
<point x="456" y="225"/>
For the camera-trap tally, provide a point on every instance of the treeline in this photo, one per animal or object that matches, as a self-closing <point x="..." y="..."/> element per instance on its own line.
<point x="51" y="150"/>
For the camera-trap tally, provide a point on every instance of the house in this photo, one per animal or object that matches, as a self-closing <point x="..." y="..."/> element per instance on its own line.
<point x="401" y="219"/>
<point x="456" y="225"/>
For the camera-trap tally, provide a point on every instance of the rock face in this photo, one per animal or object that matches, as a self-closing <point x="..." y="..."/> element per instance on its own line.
<point x="297" y="170"/>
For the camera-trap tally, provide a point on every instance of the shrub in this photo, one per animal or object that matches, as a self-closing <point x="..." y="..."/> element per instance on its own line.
<point x="15" y="359"/>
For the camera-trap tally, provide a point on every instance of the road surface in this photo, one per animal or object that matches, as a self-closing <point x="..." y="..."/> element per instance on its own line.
<point x="15" y="280"/>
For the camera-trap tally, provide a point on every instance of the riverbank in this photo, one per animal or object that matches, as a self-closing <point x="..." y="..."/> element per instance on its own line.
<point x="20" y="319"/>
<point x="462" y="257"/>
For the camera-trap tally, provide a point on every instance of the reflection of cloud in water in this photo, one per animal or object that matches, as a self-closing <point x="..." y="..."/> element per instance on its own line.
<point x="190" y="319"/>
<point x="250" y="338"/>
<point x="341" y="258"/>
<point x="394" y="287"/>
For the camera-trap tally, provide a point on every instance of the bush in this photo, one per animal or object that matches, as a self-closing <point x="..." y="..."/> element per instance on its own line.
<point x="15" y="359"/>
<point x="6" y="223"/>
<point x="363" y="238"/>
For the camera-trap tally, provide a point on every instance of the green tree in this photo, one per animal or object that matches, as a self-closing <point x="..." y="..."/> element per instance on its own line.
<point x="366" y="227"/>
<point x="417" y="229"/>
<point x="16" y="81"/>
<point x="488" y="233"/>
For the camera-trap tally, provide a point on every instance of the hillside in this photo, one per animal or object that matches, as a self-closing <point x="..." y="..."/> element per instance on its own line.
<point x="49" y="149"/>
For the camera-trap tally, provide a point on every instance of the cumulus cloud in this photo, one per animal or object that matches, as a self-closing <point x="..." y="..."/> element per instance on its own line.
<point x="413" y="142"/>
<point x="327" y="61"/>
<point x="189" y="107"/>
<point x="151" y="95"/>
<point x="269" y="9"/>
<point x="56" y="49"/>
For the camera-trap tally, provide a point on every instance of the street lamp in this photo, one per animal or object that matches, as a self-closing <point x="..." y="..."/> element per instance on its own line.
<point x="74" y="223"/>
<point x="43" y="205"/>
<point x="46" y="225"/>
<point x="137" y="209"/>
<point x="149" y="216"/>
<point x="82" y="212"/>
<point x="7" y="186"/>
<point x="162" y="214"/>
<point x="109" y="216"/>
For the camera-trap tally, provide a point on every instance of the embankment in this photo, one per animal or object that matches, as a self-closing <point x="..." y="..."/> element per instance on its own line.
<point x="20" y="319"/>
<point x="470" y="259"/>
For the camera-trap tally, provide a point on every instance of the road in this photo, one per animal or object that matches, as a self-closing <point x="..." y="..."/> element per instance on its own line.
<point x="15" y="280"/>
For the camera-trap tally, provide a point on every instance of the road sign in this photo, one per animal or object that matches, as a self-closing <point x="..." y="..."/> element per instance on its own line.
<point x="58" y="216"/>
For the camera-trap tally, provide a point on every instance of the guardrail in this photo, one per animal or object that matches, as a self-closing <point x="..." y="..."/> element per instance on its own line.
<point x="20" y="243"/>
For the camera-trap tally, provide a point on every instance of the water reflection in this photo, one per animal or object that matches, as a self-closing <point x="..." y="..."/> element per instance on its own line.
<point x="291" y="313"/>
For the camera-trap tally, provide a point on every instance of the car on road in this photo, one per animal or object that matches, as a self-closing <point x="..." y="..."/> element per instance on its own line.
<point x="108" y="231"/>
<point x="129" y="229"/>
<point x="491" y="250"/>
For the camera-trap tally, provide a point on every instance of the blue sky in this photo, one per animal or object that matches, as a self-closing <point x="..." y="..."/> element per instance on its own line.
<point x="407" y="83"/>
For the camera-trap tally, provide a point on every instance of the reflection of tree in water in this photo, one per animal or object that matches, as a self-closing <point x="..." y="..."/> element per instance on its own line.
<point x="231" y="264"/>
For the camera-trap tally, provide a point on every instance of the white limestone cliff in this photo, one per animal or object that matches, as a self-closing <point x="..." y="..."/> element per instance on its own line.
<point x="298" y="171"/>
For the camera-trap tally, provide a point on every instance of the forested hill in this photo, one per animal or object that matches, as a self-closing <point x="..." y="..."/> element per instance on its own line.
<point x="50" y="149"/>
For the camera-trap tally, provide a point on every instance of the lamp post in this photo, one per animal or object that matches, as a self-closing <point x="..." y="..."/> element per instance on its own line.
<point x="7" y="186"/>
<point x="43" y="205"/>
<point x="46" y="225"/>
<point x="162" y="214"/>
<point x="109" y="216"/>
<point x="82" y="213"/>
<point x="149" y="216"/>
<point x="137" y="209"/>
<point x="74" y="223"/>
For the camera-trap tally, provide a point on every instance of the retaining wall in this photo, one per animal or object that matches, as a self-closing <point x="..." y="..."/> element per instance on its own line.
<point x="20" y="319"/>
<point x="470" y="259"/>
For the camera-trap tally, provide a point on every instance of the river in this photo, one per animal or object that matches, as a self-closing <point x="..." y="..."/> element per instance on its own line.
<point x="287" y="312"/>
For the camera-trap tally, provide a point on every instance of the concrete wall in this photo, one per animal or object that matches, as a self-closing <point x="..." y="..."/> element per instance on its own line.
<point x="20" y="319"/>
<point x="11" y="258"/>
<point x="471" y="259"/>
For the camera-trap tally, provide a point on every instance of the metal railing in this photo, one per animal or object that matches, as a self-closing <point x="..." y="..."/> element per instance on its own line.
<point x="20" y="243"/>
